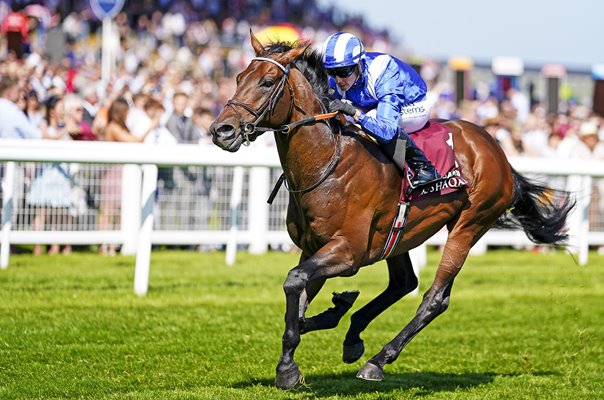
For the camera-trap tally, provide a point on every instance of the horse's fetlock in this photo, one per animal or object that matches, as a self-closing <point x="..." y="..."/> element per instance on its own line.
<point x="391" y="353"/>
<point x="290" y="339"/>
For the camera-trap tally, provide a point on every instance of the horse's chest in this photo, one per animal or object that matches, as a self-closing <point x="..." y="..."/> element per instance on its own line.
<point x="311" y="233"/>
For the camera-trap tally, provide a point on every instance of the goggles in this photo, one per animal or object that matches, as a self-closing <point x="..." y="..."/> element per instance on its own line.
<point x="343" y="72"/>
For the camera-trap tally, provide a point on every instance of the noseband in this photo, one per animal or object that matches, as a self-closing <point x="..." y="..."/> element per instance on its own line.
<point x="249" y="128"/>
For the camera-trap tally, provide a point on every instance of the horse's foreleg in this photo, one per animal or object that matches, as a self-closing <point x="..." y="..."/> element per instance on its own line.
<point x="331" y="260"/>
<point x="402" y="280"/>
<point x="435" y="302"/>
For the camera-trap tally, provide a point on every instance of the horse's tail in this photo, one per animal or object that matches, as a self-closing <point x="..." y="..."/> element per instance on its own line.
<point x="539" y="210"/>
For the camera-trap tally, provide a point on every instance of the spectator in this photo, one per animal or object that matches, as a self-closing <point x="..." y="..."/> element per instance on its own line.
<point x="179" y="124"/>
<point x="590" y="146"/>
<point x="536" y="136"/>
<point x="136" y="114"/>
<point x="111" y="181"/>
<point x="141" y="116"/>
<point x="117" y="130"/>
<point x="202" y="118"/>
<point x="15" y="27"/>
<point x="160" y="135"/>
<point x="33" y="108"/>
<point x="521" y="104"/>
<point x="90" y="102"/>
<point x="14" y="124"/>
<point x="502" y="135"/>
<point x="50" y="191"/>
<point x="77" y="127"/>
<point x="177" y="183"/>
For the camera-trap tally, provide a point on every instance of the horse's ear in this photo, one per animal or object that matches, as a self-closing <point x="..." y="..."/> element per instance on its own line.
<point x="291" y="55"/>
<point x="258" y="47"/>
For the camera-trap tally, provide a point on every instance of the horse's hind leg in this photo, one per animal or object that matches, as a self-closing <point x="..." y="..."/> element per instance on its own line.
<point x="402" y="280"/>
<point x="434" y="303"/>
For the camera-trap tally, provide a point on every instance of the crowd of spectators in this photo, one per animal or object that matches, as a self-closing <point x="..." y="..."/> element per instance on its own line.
<point x="175" y="64"/>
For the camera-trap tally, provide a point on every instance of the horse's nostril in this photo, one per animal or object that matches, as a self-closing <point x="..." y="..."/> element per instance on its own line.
<point x="222" y="129"/>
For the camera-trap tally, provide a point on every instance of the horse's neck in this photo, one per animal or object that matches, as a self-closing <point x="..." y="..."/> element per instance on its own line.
<point x="306" y="152"/>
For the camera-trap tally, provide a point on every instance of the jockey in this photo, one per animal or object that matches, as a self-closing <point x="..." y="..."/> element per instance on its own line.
<point x="381" y="93"/>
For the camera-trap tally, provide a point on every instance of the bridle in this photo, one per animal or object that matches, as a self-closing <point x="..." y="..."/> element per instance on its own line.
<point x="250" y="128"/>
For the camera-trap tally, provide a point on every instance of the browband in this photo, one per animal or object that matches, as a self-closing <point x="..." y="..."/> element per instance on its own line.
<point x="270" y="60"/>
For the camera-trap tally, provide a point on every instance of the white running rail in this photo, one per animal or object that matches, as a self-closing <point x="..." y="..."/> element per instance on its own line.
<point x="139" y="185"/>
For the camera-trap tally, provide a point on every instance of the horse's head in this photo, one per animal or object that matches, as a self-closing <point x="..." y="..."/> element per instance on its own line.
<point x="263" y="99"/>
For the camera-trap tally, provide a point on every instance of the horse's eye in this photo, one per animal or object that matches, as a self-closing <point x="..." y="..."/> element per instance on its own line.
<point x="267" y="83"/>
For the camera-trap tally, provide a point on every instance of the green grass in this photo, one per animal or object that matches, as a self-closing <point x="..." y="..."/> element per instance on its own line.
<point x="520" y="326"/>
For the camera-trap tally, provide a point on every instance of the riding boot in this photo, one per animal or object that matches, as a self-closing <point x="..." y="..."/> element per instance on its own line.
<point x="424" y="170"/>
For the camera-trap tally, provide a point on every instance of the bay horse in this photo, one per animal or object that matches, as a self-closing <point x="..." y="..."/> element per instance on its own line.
<point x="343" y="196"/>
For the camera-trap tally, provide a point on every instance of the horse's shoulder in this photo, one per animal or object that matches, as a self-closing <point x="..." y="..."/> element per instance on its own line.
<point x="361" y="149"/>
<point x="356" y="134"/>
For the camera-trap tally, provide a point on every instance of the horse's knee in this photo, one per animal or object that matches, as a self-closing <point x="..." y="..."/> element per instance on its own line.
<point x="295" y="282"/>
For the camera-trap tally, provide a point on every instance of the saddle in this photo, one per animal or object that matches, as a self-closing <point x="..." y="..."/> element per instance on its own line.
<point x="436" y="141"/>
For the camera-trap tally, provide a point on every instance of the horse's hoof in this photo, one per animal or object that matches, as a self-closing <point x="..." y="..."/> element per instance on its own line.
<point x="353" y="352"/>
<point x="371" y="372"/>
<point x="289" y="378"/>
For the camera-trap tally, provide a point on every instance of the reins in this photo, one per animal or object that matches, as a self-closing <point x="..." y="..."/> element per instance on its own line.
<point x="252" y="127"/>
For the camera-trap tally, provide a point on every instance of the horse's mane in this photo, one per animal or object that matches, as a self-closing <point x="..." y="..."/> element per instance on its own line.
<point x="310" y="63"/>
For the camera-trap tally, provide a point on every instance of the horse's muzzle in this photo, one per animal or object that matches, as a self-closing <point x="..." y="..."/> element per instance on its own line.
<point x="226" y="136"/>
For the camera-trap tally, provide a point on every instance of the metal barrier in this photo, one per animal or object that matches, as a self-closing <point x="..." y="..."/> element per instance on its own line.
<point x="137" y="195"/>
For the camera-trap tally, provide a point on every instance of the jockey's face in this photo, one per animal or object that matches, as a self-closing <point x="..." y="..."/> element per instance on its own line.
<point x="346" y="83"/>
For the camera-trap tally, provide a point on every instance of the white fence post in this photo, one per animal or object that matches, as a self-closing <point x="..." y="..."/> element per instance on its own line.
<point x="578" y="221"/>
<point x="7" y="212"/>
<point x="143" y="254"/>
<point x="130" y="212"/>
<point x="258" y="209"/>
<point x="584" y="229"/>
<point x="480" y="247"/>
<point x="419" y="259"/>
<point x="236" y="194"/>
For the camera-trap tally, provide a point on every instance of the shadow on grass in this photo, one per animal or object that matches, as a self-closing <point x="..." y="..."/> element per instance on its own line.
<point x="422" y="383"/>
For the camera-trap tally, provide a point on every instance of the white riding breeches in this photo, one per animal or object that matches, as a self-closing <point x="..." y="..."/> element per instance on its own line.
<point x="413" y="116"/>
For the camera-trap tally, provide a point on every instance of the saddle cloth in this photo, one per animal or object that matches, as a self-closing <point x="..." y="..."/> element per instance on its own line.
<point x="436" y="141"/>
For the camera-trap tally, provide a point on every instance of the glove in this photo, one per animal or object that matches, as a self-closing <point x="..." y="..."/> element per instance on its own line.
<point x="345" y="108"/>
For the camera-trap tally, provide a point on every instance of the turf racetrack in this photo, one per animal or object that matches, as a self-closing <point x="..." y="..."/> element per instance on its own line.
<point x="520" y="326"/>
